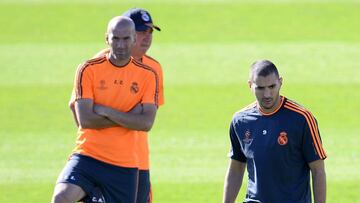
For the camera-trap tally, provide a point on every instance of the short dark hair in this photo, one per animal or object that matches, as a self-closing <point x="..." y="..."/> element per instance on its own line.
<point x="263" y="68"/>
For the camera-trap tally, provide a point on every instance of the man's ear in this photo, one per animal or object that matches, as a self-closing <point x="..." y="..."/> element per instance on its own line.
<point x="281" y="80"/>
<point x="106" y="38"/>
<point x="249" y="83"/>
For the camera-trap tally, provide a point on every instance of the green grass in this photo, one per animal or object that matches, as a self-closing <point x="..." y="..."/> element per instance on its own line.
<point x="205" y="48"/>
<point x="198" y="22"/>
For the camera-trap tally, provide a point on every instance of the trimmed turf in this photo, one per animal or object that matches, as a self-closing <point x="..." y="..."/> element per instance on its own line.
<point x="205" y="48"/>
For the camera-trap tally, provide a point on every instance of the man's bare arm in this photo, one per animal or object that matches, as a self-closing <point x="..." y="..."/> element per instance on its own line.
<point x="72" y="108"/>
<point x="87" y="118"/>
<point x="136" y="121"/>
<point x="318" y="180"/>
<point x="233" y="180"/>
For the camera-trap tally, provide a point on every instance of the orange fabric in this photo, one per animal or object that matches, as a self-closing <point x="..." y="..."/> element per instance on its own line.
<point x="120" y="88"/>
<point x="312" y="125"/>
<point x="143" y="151"/>
<point x="143" y="145"/>
<point x="147" y="60"/>
<point x="275" y="110"/>
<point x="143" y="137"/>
<point x="150" y="195"/>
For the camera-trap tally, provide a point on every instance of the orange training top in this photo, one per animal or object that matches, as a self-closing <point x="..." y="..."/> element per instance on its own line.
<point x="143" y="145"/>
<point x="149" y="61"/>
<point x="143" y="136"/>
<point x="120" y="88"/>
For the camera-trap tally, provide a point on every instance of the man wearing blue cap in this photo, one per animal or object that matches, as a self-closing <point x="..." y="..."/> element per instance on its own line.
<point x="144" y="28"/>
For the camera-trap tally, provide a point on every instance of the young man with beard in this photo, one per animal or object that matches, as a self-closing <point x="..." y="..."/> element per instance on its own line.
<point x="279" y="142"/>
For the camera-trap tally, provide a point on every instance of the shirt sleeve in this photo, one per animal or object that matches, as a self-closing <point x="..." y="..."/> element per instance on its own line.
<point x="72" y="97"/>
<point x="312" y="144"/>
<point x="84" y="83"/>
<point x="235" y="151"/>
<point x="151" y="94"/>
<point x="161" y="87"/>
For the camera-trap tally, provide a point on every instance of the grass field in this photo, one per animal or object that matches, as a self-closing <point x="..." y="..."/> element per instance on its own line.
<point x="205" y="48"/>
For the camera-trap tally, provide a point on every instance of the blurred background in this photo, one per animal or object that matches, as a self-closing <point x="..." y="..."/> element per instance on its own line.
<point x="205" y="48"/>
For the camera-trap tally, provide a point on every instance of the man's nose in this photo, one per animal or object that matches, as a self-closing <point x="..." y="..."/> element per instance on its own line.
<point x="120" y="45"/>
<point x="267" y="92"/>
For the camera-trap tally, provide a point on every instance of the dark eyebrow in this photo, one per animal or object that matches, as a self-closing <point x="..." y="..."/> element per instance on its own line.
<point x="261" y="87"/>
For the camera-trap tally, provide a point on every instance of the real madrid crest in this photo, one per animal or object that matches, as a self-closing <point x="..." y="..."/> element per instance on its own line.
<point x="134" y="88"/>
<point x="145" y="16"/>
<point x="283" y="139"/>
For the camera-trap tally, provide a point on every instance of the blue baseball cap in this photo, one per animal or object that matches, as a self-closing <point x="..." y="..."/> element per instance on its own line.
<point x="141" y="18"/>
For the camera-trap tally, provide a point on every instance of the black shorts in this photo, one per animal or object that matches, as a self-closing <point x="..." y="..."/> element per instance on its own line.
<point x="118" y="184"/>
<point x="143" y="195"/>
<point x="144" y="187"/>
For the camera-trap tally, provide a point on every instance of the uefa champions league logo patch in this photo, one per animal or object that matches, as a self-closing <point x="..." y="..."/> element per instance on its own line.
<point x="102" y="85"/>
<point x="145" y="16"/>
<point x="247" y="137"/>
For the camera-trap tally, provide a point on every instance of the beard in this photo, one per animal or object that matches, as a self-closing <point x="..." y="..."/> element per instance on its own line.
<point x="120" y="55"/>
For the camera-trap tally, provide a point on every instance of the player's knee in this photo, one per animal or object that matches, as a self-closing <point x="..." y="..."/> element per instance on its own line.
<point x="65" y="193"/>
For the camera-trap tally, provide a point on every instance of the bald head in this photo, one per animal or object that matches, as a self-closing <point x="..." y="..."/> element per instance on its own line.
<point x="120" y="37"/>
<point x="120" y="22"/>
<point x="263" y="68"/>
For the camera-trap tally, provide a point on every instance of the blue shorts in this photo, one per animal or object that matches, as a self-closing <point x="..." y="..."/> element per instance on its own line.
<point x="143" y="195"/>
<point x="117" y="184"/>
<point x="95" y="196"/>
<point x="144" y="187"/>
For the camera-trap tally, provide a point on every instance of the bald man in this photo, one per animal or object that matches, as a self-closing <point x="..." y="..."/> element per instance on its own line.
<point x="115" y="97"/>
<point x="144" y="28"/>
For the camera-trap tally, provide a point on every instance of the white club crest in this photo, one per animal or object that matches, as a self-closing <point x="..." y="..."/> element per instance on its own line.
<point x="145" y="17"/>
